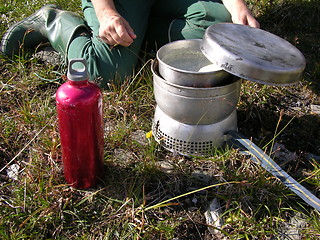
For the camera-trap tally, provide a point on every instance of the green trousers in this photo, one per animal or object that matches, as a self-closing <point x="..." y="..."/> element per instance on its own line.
<point x="155" y="22"/>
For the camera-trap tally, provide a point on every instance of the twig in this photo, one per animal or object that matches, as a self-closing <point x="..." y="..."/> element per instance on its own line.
<point x="277" y="134"/>
<point x="162" y="204"/>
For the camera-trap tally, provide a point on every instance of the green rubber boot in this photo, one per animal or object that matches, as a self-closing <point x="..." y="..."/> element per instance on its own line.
<point x="48" y="24"/>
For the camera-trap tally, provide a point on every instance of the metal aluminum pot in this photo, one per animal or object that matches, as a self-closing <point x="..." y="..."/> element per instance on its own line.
<point x="196" y="105"/>
<point x="182" y="63"/>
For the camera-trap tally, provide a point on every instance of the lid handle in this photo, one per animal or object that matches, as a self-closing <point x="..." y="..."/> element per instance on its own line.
<point x="77" y="69"/>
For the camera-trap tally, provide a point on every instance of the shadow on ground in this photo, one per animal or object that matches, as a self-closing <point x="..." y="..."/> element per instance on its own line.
<point x="298" y="22"/>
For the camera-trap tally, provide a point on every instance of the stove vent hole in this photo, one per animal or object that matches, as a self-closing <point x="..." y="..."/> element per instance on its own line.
<point x="182" y="146"/>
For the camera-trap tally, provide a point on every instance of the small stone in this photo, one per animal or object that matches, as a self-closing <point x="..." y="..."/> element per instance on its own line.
<point x="110" y="127"/>
<point x="49" y="55"/>
<point x="293" y="229"/>
<point x="283" y="154"/>
<point x="315" y="109"/>
<point x="311" y="157"/>
<point x="140" y="137"/>
<point x="213" y="217"/>
<point x="201" y="176"/>
<point x="123" y="157"/>
<point x="165" y="167"/>
<point x="298" y="109"/>
<point x="194" y="201"/>
<point x="13" y="171"/>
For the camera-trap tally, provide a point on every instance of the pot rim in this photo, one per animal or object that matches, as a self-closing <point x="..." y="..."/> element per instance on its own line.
<point x="183" y="70"/>
<point x="155" y="63"/>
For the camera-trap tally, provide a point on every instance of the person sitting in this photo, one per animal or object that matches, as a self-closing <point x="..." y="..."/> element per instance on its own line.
<point x="112" y="32"/>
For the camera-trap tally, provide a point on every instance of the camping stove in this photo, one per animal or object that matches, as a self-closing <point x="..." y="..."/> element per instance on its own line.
<point x="197" y="83"/>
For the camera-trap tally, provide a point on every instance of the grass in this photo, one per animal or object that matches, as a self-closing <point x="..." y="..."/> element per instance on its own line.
<point x="138" y="198"/>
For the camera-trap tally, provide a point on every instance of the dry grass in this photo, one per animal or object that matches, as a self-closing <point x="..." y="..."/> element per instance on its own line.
<point x="38" y="204"/>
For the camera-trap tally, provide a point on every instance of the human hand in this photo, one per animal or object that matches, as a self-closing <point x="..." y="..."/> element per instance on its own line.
<point x="244" y="16"/>
<point x="115" y="30"/>
<point x="240" y="13"/>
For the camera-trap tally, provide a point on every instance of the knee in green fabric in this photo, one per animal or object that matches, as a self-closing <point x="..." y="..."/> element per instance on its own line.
<point x="205" y="13"/>
<point x="199" y="16"/>
<point x="105" y="65"/>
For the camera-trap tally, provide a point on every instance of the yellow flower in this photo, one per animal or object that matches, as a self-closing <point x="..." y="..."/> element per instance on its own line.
<point x="149" y="134"/>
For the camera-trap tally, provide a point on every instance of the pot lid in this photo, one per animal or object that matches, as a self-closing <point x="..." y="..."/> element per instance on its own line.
<point x="253" y="54"/>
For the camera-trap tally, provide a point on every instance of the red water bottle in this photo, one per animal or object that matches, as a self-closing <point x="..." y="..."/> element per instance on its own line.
<point x="79" y="107"/>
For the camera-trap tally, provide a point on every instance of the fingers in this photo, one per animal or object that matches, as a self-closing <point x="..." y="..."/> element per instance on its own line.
<point x="241" y="14"/>
<point x="123" y="34"/>
<point x="130" y="30"/>
<point x="116" y="31"/>
<point x="246" y="19"/>
<point x="251" y="21"/>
